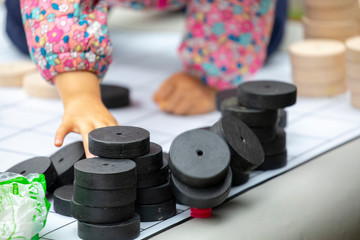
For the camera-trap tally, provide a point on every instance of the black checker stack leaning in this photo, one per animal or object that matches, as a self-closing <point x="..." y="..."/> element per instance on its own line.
<point x="245" y="148"/>
<point x="260" y="105"/>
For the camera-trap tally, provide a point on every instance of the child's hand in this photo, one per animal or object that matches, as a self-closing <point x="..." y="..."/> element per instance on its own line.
<point x="82" y="116"/>
<point x="183" y="94"/>
<point x="84" y="110"/>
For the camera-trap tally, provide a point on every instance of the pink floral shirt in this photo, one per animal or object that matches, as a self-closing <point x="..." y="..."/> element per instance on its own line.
<point x="225" y="40"/>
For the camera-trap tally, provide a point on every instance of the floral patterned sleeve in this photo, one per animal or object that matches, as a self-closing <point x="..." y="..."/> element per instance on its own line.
<point x="67" y="35"/>
<point x="226" y="40"/>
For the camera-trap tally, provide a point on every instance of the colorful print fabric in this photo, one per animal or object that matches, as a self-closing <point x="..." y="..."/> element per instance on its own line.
<point x="225" y="40"/>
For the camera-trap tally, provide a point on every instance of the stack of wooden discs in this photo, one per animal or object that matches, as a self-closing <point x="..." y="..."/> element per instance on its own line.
<point x="318" y="67"/>
<point x="359" y="16"/>
<point x="331" y="19"/>
<point x="12" y="74"/>
<point x="353" y="69"/>
<point x="34" y="85"/>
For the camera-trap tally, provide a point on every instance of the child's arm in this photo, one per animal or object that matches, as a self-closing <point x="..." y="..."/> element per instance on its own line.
<point x="67" y="36"/>
<point x="69" y="43"/>
<point x="83" y="108"/>
<point x="224" y="43"/>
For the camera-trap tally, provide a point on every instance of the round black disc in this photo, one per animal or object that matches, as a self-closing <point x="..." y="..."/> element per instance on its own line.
<point x="62" y="200"/>
<point x="64" y="160"/>
<point x="265" y="133"/>
<point x="102" y="215"/>
<point x="104" y="198"/>
<point x="277" y="145"/>
<point x="199" y="158"/>
<point x="250" y="116"/>
<point x="151" y="161"/>
<point x="246" y="150"/>
<point x="126" y="230"/>
<point x="274" y="162"/>
<point x="208" y="197"/>
<point x="105" y="174"/>
<point x="155" y="178"/>
<point x="114" y="96"/>
<point x="119" y="142"/>
<point x="266" y="94"/>
<point x="156" y="212"/>
<point x="239" y="178"/>
<point x="153" y="195"/>
<point x="224" y="94"/>
<point x="41" y="165"/>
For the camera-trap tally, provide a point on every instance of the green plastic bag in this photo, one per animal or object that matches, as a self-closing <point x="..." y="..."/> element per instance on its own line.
<point x="23" y="206"/>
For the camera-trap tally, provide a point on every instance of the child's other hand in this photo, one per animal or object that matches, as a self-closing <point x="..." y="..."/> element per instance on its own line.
<point x="83" y="108"/>
<point x="183" y="94"/>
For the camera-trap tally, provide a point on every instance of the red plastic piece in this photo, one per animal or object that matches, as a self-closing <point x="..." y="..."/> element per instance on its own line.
<point x="200" y="213"/>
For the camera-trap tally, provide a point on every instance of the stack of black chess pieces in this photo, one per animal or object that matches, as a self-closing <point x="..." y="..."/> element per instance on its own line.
<point x="109" y="195"/>
<point x="250" y="135"/>
<point x="130" y="173"/>
<point x="261" y="106"/>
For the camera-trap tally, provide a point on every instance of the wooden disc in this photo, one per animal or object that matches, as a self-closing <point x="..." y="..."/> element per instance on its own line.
<point x="34" y="85"/>
<point x="341" y="38"/>
<point x="318" y="82"/>
<point x="329" y="3"/>
<point x="336" y="29"/>
<point x="317" y="53"/>
<point x="352" y="69"/>
<point x="12" y="74"/>
<point x="355" y="99"/>
<point x="319" y="76"/>
<point x="321" y="91"/>
<point x="353" y="49"/>
<point x="345" y="12"/>
<point x="353" y="84"/>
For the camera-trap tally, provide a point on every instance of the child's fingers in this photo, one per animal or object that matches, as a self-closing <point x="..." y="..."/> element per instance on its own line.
<point x="61" y="132"/>
<point x="183" y="108"/>
<point x="84" y="131"/>
<point x="173" y="101"/>
<point x="164" y="91"/>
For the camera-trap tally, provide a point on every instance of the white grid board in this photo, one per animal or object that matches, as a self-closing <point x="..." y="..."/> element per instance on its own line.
<point x="141" y="62"/>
